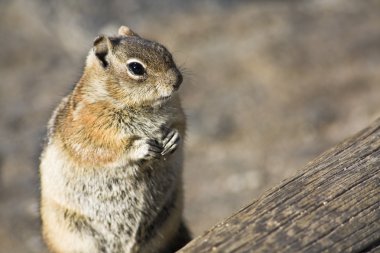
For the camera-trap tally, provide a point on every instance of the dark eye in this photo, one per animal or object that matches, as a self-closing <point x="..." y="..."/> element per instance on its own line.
<point x="136" y="68"/>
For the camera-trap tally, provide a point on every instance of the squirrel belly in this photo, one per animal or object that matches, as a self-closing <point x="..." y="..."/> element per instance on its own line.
<point x="111" y="170"/>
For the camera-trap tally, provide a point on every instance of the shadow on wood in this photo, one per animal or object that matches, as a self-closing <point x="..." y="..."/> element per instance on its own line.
<point x="332" y="205"/>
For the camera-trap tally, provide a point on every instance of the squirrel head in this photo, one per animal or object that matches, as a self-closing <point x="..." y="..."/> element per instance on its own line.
<point x="132" y="70"/>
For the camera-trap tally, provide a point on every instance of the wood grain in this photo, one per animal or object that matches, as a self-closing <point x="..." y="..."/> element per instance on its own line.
<point x="331" y="205"/>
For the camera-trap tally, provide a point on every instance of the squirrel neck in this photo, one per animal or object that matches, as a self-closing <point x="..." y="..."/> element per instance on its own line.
<point x="90" y="91"/>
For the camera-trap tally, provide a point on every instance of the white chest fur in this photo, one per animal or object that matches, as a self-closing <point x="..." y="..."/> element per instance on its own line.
<point x="115" y="201"/>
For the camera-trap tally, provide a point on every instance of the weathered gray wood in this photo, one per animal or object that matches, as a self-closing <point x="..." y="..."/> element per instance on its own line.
<point x="332" y="205"/>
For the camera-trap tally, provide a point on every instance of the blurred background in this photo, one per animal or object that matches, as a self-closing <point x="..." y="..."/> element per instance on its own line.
<point x="268" y="86"/>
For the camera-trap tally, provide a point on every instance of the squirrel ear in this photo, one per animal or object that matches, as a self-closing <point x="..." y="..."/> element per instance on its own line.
<point x="126" y="31"/>
<point x="101" y="48"/>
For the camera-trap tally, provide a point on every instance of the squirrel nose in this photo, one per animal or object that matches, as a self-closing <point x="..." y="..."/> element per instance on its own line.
<point x="178" y="82"/>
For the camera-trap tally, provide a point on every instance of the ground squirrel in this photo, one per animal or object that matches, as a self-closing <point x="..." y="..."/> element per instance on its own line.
<point x="111" y="170"/>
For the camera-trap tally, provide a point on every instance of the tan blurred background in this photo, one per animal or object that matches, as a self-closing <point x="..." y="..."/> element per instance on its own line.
<point x="268" y="86"/>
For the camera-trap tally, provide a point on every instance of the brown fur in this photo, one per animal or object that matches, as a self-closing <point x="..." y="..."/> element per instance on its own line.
<point x="111" y="172"/>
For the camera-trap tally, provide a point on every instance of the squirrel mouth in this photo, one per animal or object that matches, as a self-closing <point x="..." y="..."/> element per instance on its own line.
<point x="165" y="98"/>
<point x="162" y="100"/>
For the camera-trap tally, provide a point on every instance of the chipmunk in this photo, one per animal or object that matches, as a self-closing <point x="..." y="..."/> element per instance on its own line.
<point x="111" y="170"/>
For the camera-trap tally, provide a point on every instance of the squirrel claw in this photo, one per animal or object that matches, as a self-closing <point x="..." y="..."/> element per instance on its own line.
<point x="170" y="142"/>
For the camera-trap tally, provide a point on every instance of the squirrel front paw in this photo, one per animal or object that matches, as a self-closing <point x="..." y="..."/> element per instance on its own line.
<point x="170" y="142"/>
<point x="146" y="149"/>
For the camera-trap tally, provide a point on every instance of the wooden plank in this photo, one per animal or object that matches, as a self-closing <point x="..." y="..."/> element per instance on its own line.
<point x="331" y="205"/>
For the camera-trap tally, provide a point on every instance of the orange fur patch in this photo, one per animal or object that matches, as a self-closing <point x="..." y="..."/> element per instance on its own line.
<point x="95" y="139"/>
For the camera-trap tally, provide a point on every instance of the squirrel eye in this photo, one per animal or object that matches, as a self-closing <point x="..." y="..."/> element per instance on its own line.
<point x="136" y="68"/>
